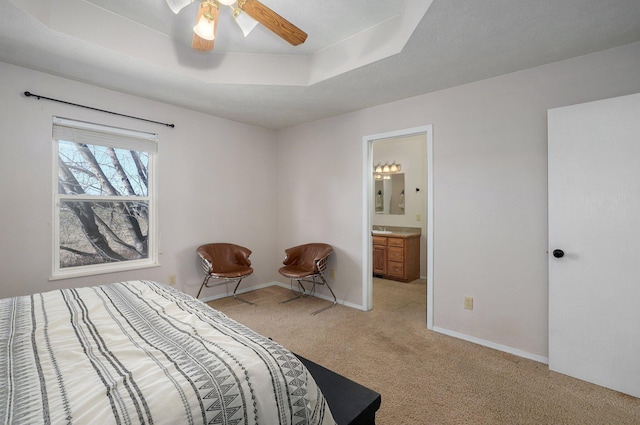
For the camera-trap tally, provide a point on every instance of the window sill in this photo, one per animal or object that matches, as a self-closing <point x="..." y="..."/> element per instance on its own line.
<point x="97" y="270"/>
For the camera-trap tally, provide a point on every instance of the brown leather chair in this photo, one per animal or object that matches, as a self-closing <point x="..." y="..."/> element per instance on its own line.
<point x="305" y="263"/>
<point x="224" y="262"/>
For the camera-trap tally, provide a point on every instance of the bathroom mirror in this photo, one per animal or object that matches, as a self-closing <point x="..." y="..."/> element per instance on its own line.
<point x="388" y="196"/>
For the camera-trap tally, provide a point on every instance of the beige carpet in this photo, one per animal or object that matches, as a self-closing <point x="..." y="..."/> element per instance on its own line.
<point x="425" y="377"/>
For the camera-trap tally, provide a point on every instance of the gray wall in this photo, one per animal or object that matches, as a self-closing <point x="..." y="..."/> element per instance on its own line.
<point x="220" y="180"/>
<point x="490" y="190"/>
<point x="215" y="180"/>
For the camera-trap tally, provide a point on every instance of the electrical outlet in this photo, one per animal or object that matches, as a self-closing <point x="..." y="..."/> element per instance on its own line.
<point x="333" y="274"/>
<point x="172" y="279"/>
<point x="468" y="303"/>
<point x="418" y="217"/>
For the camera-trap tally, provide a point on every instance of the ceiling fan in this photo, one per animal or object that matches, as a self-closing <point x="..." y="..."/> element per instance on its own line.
<point x="247" y="14"/>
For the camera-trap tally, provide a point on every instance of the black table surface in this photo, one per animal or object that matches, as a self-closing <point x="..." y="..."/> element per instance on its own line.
<point x="350" y="402"/>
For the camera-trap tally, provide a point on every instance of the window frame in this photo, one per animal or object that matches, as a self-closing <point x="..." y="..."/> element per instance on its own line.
<point x="124" y="139"/>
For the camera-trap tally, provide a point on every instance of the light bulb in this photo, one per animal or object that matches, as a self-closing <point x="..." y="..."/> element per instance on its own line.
<point x="226" y="2"/>
<point x="205" y="28"/>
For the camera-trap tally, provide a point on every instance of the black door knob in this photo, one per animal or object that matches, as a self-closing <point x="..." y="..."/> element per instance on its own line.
<point x="558" y="253"/>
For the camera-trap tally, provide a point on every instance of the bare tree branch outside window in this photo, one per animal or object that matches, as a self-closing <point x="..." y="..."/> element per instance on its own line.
<point x="104" y="204"/>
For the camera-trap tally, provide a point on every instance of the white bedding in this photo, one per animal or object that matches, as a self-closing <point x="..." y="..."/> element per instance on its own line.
<point x="143" y="353"/>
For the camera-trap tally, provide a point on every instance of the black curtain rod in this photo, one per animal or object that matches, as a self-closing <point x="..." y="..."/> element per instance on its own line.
<point x="96" y="109"/>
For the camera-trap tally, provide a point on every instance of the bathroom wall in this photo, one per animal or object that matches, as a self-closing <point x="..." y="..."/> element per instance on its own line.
<point x="411" y="153"/>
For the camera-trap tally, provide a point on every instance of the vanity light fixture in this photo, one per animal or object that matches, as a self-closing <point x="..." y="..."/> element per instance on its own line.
<point x="386" y="168"/>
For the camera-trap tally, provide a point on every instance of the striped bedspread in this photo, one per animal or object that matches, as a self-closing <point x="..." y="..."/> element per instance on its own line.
<point x="143" y="353"/>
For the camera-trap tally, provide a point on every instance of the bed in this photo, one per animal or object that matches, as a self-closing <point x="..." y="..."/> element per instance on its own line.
<point x="140" y="352"/>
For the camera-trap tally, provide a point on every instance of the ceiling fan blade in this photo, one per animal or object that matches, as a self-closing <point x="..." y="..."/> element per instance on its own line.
<point x="177" y="5"/>
<point x="274" y="22"/>
<point x="199" y="43"/>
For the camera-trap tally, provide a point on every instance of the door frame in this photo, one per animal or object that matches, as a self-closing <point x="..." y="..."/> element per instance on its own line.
<point x="367" y="213"/>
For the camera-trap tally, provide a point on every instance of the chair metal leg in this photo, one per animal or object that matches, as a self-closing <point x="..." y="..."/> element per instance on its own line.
<point x="206" y="281"/>
<point x="312" y="291"/>
<point x="335" y="300"/>
<point x="296" y="297"/>
<point x="237" y="297"/>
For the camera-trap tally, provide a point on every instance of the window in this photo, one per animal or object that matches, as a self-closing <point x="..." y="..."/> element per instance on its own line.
<point x="104" y="198"/>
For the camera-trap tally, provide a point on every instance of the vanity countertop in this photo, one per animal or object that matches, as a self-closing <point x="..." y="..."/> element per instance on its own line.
<point x="397" y="233"/>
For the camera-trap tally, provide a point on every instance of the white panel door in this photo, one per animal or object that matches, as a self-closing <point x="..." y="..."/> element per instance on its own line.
<point x="594" y="218"/>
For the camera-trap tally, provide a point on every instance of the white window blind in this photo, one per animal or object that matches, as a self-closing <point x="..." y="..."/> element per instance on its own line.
<point x="96" y="134"/>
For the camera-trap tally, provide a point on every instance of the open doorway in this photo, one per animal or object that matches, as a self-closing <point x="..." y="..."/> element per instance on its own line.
<point x="413" y="206"/>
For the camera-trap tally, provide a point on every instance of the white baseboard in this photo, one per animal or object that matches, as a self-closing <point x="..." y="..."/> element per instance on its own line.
<point x="282" y="285"/>
<point x="324" y="297"/>
<point x="495" y="346"/>
<point x="459" y="335"/>
<point x="229" y="291"/>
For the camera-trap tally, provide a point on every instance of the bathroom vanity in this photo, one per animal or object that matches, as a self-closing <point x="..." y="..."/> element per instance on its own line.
<point x="396" y="254"/>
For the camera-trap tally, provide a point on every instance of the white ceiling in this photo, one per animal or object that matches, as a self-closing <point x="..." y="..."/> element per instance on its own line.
<point x="359" y="53"/>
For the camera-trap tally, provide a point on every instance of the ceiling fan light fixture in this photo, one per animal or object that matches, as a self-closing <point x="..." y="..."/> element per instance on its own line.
<point x="177" y="5"/>
<point x="205" y="28"/>
<point x="247" y="14"/>
<point x="244" y="21"/>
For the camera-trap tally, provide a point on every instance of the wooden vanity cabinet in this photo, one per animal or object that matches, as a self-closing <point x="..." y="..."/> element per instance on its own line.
<point x="379" y="255"/>
<point x="397" y="256"/>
